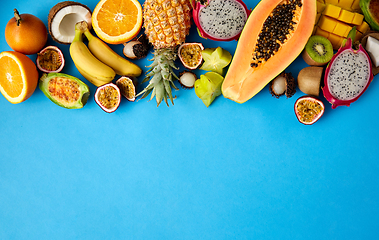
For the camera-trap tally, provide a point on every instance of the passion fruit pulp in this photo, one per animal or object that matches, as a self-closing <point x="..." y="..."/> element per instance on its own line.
<point x="50" y="59"/>
<point x="108" y="97"/>
<point x="309" y="109"/>
<point x="190" y="55"/>
<point x="127" y="87"/>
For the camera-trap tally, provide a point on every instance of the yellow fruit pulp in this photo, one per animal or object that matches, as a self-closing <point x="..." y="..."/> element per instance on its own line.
<point x="335" y="19"/>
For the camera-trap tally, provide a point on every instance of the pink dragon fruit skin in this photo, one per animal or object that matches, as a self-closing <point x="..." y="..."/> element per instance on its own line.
<point x="198" y="6"/>
<point x="355" y="74"/>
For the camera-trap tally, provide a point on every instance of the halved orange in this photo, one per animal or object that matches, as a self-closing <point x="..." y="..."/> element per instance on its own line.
<point x="117" y="21"/>
<point x="18" y="76"/>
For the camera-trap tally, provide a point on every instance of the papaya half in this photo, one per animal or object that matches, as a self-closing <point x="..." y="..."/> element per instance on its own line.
<point x="273" y="37"/>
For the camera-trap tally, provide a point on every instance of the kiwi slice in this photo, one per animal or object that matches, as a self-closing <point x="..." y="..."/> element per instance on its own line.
<point x="318" y="51"/>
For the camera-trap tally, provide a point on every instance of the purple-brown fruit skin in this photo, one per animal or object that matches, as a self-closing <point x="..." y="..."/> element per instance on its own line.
<point x="98" y="102"/>
<point x="61" y="58"/>
<point x="312" y="98"/>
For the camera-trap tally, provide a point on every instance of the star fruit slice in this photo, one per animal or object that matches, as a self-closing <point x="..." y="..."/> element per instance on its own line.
<point x="215" y="59"/>
<point x="208" y="87"/>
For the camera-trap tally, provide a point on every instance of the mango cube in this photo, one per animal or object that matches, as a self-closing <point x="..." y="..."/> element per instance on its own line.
<point x="346" y="16"/>
<point x="363" y="28"/>
<point x="321" y="32"/>
<point x="358" y="19"/>
<point x="335" y="40"/>
<point x="320" y="7"/>
<point x="355" y="6"/>
<point x="358" y="36"/>
<point x="332" y="11"/>
<point x="327" y="24"/>
<point x="342" y="29"/>
<point x="333" y="2"/>
<point x="345" y="4"/>
<point x="318" y="15"/>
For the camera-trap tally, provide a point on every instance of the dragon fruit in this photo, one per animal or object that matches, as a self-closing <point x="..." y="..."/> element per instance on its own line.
<point x="220" y="20"/>
<point x="347" y="76"/>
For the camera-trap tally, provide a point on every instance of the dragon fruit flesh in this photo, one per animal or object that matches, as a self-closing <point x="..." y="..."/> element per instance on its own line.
<point x="220" y="20"/>
<point x="347" y="76"/>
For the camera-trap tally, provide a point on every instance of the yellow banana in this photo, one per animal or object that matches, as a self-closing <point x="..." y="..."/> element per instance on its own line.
<point x="106" y="54"/>
<point x="95" y="80"/>
<point x="88" y="65"/>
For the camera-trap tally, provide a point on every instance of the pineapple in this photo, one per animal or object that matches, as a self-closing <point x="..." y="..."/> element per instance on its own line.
<point x="166" y="23"/>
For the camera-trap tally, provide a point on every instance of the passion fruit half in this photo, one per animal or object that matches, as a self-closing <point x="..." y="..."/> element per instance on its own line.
<point x="108" y="97"/>
<point x="190" y="55"/>
<point x="127" y="87"/>
<point x="309" y="109"/>
<point x="50" y="59"/>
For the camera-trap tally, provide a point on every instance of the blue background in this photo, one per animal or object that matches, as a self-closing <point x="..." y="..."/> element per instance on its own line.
<point x="230" y="171"/>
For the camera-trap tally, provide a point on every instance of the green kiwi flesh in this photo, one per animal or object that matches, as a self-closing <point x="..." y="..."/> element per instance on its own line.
<point x="318" y="51"/>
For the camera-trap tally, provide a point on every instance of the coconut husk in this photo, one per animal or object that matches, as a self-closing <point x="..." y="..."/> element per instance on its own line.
<point x="54" y="10"/>
<point x="374" y="34"/>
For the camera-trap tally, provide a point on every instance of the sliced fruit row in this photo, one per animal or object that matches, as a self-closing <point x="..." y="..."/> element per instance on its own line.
<point x="350" y="5"/>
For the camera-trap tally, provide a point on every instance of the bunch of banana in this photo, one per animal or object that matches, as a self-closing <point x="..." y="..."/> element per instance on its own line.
<point x="98" y="63"/>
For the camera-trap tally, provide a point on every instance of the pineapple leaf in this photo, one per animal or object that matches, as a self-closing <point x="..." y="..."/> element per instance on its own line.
<point x="145" y="93"/>
<point x="165" y="99"/>
<point x="145" y="79"/>
<point x="153" y="94"/>
<point x="168" y="90"/>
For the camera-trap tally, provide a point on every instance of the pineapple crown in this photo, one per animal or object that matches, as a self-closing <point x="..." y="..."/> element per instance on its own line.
<point x="161" y="76"/>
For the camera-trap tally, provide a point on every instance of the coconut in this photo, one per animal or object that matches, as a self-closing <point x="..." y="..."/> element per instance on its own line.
<point x="63" y="17"/>
<point x="374" y="34"/>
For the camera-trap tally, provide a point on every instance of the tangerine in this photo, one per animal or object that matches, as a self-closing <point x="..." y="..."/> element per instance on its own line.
<point x="25" y="33"/>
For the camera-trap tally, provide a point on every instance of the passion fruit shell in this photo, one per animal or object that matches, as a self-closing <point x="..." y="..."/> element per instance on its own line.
<point x="127" y="87"/>
<point x="190" y="55"/>
<point x="108" y="97"/>
<point x="309" y="109"/>
<point x="50" y="60"/>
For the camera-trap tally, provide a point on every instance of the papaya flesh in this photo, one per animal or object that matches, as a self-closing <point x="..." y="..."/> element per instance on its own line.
<point x="249" y="72"/>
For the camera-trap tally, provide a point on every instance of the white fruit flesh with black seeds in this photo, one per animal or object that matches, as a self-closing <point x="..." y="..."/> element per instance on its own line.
<point x="223" y="19"/>
<point x="349" y="74"/>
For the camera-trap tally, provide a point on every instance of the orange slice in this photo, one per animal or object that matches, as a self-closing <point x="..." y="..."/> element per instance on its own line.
<point x="18" y="76"/>
<point x="117" y="21"/>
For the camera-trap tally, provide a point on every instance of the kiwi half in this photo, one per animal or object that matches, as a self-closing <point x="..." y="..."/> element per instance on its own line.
<point x="318" y="51"/>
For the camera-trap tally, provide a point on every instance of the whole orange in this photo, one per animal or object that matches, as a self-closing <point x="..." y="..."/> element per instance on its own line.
<point x="25" y="33"/>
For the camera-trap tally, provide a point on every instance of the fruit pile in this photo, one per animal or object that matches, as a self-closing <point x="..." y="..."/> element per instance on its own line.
<point x="269" y="39"/>
<point x="335" y="19"/>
